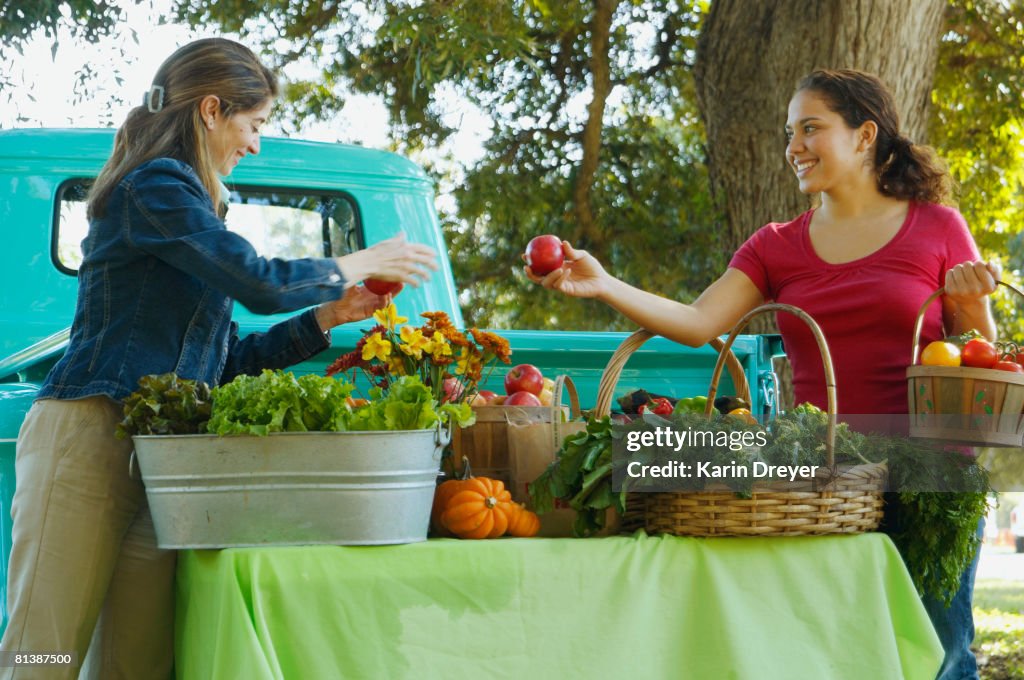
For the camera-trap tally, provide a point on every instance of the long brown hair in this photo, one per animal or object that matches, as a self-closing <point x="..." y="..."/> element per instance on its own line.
<point x="905" y="170"/>
<point x="169" y="124"/>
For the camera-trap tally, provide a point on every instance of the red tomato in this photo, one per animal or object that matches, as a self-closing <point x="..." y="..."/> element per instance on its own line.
<point x="379" y="287"/>
<point x="979" y="353"/>
<point x="1011" y="366"/>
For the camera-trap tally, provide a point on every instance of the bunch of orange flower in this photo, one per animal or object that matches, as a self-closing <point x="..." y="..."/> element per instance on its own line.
<point x="443" y="357"/>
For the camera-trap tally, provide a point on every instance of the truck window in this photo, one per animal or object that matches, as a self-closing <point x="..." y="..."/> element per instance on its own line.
<point x="286" y="224"/>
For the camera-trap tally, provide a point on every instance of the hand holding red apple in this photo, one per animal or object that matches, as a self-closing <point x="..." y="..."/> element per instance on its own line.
<point x="544" y="254"/>
<point x="579" y="274"/>
<point x="381" y="287"/>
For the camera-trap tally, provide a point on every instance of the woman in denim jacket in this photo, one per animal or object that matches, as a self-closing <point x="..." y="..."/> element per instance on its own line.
<point x="156" y="288"/>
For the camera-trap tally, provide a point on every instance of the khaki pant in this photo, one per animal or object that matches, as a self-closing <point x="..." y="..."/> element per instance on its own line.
<point x="84" y="563"/>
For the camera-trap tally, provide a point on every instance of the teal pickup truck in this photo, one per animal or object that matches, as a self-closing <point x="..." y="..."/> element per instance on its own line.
<point x="294" y="199"/>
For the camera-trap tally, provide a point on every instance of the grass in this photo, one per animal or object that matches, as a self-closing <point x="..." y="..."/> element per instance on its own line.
<point x="999" y="629"/>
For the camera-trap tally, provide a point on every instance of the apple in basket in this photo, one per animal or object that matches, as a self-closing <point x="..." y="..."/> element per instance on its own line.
<point x="522" y="399"/>
<point x="483" y="398"/>
<point x="547" y="393"/>
<point x="524" y="378"/>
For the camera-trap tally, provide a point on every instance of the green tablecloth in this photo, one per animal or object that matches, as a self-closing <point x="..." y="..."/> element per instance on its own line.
<point x="627" y="607"/>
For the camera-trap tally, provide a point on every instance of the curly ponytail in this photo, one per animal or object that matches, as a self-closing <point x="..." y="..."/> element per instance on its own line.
<point x="905" y="170"/>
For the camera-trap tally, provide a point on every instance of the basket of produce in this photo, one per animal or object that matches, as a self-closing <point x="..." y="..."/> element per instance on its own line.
<point x="833" y="498"/>
<point x="966" y="389"/>
<point x="531" y="399"/>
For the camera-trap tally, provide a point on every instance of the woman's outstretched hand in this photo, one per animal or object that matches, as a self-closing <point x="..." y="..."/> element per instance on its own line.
<point x="392" y="260"/>
<point x="357" y="304"/>
<point x="581" y="275"/>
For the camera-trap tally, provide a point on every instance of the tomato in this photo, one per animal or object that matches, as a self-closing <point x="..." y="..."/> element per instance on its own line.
<point x="1011" y="366"/>
<point x="661" y="406"/>
<point x="940" y="353"/>
<point x="380" y="287"/>
<point x="979" y="353"/>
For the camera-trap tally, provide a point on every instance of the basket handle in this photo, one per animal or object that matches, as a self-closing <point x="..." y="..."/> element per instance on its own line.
<point x="919" y="322"/>
<point x="610" y="376"/>
<point x="826" y="358"/>
<point x="563" y="381"/>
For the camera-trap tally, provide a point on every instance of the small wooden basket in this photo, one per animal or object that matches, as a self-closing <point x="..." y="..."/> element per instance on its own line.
<point x="839" y="500"/>
<point x="485" y="443"/>
<point x="978" y="406"/>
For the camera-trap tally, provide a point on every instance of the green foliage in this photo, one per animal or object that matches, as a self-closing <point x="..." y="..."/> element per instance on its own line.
<point x="87" y="19"/>
<point x="978" y="127"/>
<point x="165" y="404"/>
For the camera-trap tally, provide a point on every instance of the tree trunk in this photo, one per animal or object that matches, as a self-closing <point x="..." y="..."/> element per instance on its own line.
<point x="600" y="69"/>
<point x="750" y="57"/>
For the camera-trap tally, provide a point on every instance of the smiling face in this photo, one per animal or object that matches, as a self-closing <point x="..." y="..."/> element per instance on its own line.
<point x="231" y="138"/>
<point x="823" y="151"/>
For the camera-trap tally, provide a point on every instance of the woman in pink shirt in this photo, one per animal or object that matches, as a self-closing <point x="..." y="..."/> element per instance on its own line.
<point x="861" y="264"/>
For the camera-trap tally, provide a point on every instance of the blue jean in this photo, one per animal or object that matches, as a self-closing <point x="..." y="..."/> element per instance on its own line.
<point x="953" y="624"/>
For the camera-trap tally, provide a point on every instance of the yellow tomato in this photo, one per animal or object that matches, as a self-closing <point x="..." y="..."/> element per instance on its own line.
<point x="940" y="353"/>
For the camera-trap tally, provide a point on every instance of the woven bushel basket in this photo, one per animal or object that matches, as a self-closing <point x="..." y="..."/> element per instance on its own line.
<point x="962" y="404"/>
<point x="843" y="499"/>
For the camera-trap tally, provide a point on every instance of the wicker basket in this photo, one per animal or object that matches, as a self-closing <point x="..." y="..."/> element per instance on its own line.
<point x="979" y="406"/>
<point x="839" y="500"/>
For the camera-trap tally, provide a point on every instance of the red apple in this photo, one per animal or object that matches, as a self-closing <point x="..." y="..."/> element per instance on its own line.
<point x="453" y="389"/>
<point x="379" y="287"/>
<point x="544" y="254"/>
<point x="522" y="399"/>
<point x="482" y="398"/>
<point x="524" y="378"/>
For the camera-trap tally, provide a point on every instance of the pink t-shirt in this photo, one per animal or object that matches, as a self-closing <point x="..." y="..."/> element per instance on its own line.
<point x="866" y="308"/>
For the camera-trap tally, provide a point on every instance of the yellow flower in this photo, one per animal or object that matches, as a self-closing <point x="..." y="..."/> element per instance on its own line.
<point x="395" y="365"/>
<point x="376" y="347"/>
<point x="414" y="343"/>
<point x="468" y="364"/>
<point x="388" y="317"/>
<point x="441" y="347"/>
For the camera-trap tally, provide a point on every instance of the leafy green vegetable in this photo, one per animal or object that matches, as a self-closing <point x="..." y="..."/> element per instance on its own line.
<point x="165" y="404"/>
<point x="407" y="404"/>
<point x="276" y="401"/>
<point x="582" y="476"/>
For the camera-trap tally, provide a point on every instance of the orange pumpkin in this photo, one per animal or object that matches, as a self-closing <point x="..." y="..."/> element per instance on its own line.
<point x="442" y="495"/>
<point x="524" y="523"/>
<point x="480" y="509"/>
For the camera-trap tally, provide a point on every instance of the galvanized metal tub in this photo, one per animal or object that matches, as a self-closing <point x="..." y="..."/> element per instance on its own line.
<point x="301" y="488"/>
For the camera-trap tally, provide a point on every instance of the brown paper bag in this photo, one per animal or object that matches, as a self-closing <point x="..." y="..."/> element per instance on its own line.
<point x="532" y="445"/>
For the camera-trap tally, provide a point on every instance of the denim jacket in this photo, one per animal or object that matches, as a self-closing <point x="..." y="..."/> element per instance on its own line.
<point x="157" y="285"/>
